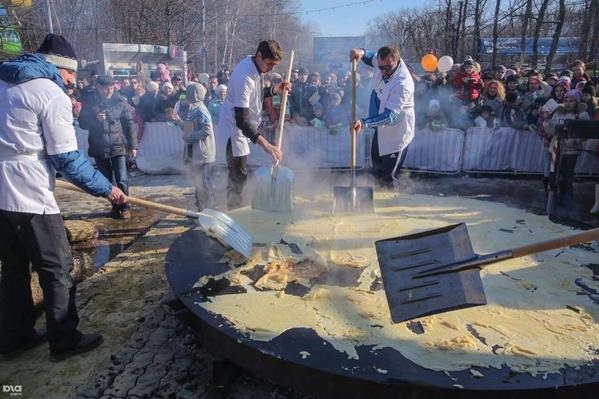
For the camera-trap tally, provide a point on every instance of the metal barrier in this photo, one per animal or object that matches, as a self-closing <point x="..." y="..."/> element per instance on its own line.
<point x="449" y="151"/>
<point x="438" y="152"/>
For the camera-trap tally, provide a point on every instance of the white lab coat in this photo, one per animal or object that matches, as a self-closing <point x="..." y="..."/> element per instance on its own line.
<point x="396" y="94"/>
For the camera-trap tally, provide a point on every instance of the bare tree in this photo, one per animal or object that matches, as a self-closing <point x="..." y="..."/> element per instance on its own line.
<point x="561" y="16"/>
<point x="524" y="32"/>
<point x="495" y="32"/>
<point x="537" y="32"/>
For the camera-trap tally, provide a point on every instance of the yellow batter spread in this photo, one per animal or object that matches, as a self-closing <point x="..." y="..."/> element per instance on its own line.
<point x="529" y="323"/>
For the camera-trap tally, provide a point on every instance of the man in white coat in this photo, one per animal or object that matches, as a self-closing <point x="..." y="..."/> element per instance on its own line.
<point x="37" y="138"/>
<point x="391" y="111"/>
<point x="241" y="114"/>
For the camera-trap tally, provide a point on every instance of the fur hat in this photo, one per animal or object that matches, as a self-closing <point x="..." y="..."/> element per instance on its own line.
<point x="56" y="50"/>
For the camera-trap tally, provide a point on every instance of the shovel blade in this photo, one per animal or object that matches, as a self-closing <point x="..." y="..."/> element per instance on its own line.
<point x="353" y="199"/>
<point x="223" y="227"/>
<point x="410" y="297"/>
<point x="274" y="189"/>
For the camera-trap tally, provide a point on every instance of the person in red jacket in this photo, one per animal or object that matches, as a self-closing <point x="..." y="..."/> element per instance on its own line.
<point x="467" y="82"/>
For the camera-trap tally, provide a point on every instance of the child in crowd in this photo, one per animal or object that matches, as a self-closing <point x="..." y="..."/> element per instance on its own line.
<point x="486" y="117"/>
<point x="560" y="89"/>
<point x="435" y="119"/>
<point x="512" y="115"/>
<point x="572" y="108"/>
<point x="467" y="82"/>
<point x="318" y="113"/>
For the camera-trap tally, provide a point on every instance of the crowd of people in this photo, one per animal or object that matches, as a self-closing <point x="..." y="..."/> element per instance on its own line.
<point x="465" y="97"/>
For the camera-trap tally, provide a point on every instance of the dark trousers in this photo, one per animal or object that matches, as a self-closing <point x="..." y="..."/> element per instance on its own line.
<point x="566" y="177"/>
<point x="382" y="166"/>
<point x="40" y="241"/>
<point x="115" y="170"/>
<point x="238" y="174"/>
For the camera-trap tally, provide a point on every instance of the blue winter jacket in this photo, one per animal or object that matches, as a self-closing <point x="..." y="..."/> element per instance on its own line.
<point x="73" y="165"/>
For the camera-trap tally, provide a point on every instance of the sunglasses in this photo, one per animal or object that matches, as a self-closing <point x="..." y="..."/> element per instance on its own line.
<point x="385" y="68"/>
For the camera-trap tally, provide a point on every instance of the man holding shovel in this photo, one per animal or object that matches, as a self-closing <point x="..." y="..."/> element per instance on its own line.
<point x="37" y="139"/>
<point x="391" y="111"/>
<point x="241" y="114"/>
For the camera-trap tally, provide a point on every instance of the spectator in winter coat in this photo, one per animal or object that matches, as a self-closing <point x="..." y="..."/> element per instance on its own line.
<point x="145" y="109"/>
<point x="164" y="103"/>
<point x="533" y="92"/>
<point x="467" y="82"/>
<point x="201" y="148"/>
<point x="572" y="108"/>
<point x="493" y="96"/>
<point x="112" y="136"/>
<point x="216" y="103"/>
<point x="512" y="115"/>
<point x="296" y="106"/>
<point x="579" y="73"/>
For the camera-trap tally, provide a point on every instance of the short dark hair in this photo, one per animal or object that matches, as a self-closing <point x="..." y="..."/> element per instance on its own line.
<point x="385" y="51"/>
<point x="270" y="49"/>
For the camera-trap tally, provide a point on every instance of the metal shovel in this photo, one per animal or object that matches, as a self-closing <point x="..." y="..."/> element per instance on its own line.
<point x="274" y="184"/>
<point x="353" y="198"/>
<point x="437" y="271"/>
<point x="213" y="222"/>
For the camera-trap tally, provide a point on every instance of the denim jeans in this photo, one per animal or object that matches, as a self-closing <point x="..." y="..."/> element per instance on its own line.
<point x="115" y="169"/>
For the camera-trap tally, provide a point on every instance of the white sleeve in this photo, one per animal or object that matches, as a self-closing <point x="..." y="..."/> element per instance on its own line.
<point x="57" y="125"/>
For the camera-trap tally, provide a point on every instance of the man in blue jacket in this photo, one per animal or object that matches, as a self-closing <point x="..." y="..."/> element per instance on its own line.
<point x="37" y="139"/>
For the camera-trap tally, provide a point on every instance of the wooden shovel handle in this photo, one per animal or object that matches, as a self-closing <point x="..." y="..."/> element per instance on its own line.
<point x="585" y="236"/>
<point x="138" y="201"/>
<point x="353" y="113"/>
<point x="284" y="103"/>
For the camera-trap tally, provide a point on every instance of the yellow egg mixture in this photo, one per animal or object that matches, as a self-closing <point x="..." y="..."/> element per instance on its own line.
<point x="534" y="320"/>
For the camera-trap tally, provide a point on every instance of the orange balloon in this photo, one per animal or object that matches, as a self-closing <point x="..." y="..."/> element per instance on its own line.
<point x="429" y="63"/>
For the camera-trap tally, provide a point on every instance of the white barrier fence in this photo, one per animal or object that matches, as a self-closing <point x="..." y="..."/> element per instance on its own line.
<point x="449" y="151"/>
